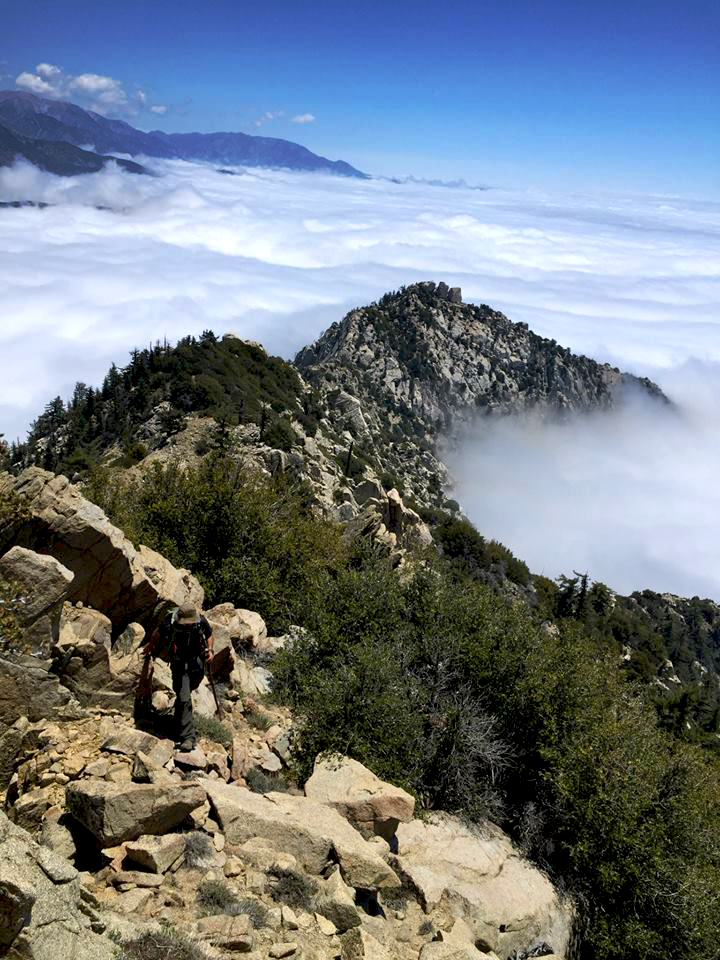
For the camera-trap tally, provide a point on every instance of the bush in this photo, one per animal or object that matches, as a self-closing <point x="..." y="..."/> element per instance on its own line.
<point x="215" y="896"/>
<point x="281" y="435"/>
<point x="292" y="888"/>
<point x="161" y="945"/>
<point x="198" y="849"/>
<point x="260" y="782"/>
<point x="259" y="719"/>
<point x="439" y="685"/>
<point x="213" y="729"/>
<point x="251" y="541"/>
<point x="462" y="543"/>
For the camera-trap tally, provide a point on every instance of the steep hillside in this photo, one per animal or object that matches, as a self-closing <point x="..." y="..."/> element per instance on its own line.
<point x="423" y="355"/>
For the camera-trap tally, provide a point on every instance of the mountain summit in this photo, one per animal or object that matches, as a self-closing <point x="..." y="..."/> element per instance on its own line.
<point x="27" y="115"/>
<point x="420" y="364"/>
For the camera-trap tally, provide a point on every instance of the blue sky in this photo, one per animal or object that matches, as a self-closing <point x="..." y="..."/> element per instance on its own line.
<point x="565" y="93"/>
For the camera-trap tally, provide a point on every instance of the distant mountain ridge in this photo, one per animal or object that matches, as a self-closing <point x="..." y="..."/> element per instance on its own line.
<point x="56" y="156"/>
<point x="30" y="116"/>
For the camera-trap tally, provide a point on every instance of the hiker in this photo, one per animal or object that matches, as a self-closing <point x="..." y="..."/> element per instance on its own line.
<point x="185" y="638"/>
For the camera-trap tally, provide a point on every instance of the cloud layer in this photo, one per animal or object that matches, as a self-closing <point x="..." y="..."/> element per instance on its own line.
<point x="279" y="256"/>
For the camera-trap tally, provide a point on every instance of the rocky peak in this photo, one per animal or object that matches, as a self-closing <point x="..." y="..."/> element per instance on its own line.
<point x="423" y="353"/>
<point x="420" y="364"/>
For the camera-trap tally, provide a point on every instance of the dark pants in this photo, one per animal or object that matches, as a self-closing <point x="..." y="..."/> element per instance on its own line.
<point x="186" y="677"/>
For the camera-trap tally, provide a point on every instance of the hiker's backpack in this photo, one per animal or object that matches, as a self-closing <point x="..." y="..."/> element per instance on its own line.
<point x="181" y="642"/>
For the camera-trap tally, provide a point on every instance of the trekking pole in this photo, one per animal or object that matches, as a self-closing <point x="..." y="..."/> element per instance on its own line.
<point x="145" y="682"/>
<point x="214" y="691"/>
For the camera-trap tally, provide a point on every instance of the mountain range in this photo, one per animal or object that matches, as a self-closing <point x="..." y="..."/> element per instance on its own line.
<point x="41" y="125"/>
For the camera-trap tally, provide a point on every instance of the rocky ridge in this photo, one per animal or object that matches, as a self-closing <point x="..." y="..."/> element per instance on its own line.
<point x="420" y="367"/>
<point x="109" y="834"/>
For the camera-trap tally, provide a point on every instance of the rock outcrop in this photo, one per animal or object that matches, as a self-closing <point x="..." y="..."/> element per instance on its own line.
<point x="116" y="812"/>
<point x="45" y="911"/>
<point x="312" y="832"/>
<point x="420" y="364"/>
<point x="43" y="583"/>
<point x="125" y="583"/>
<point x="506" y="902"/>
<point x="373" y="807"/>
<point x="28" y="690"/>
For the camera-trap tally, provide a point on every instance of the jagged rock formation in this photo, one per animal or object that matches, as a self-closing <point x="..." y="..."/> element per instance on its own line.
<point x="44" y="583"/>
<point x="373" y="807"/>
<point x="481" y="878"/>
<point x="421" y="366"/>
<point x="46" y="913"/>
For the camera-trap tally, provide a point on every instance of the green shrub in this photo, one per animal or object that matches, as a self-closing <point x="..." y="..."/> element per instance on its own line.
<point x="250" y="541"/>
<point x="281" y="435"/>
<point x="215" y="896"/>
<point x="439" y="685"/>
<point x="261" y="782"/>
<point x="213" y="729"/>
<point x="259" y="719"/>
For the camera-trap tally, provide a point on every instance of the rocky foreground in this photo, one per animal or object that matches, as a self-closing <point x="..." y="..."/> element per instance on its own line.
<point x="111" y="838"/>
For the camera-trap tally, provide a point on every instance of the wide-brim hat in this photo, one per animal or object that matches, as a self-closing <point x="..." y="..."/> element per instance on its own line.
<point x="187" y="615"/>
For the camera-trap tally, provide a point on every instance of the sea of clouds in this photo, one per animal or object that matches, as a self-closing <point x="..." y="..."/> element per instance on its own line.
<point x="118" y="261"/>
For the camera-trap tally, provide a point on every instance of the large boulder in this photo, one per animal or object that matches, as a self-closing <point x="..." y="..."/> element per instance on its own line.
<point x="156" y="854"/>
<point x="116" y="812"/>
<point x="88" y="664"/>
<point x="28" y="690"/>
<point x="242" y="629"/>
<point x="102" y="674"/>
<point x="358" y="944"/>
<point x="508" y="904"/>
<point x="126" y="583"/>
<point x="310" y="831"/>
<point x="43" y="583"/>
<point x="371" y="805"/>
<point x="45" y="912"/>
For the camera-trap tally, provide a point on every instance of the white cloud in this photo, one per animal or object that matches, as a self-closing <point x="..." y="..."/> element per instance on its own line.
<point x="35" y="84"/>
<point x="159" y="108"/>
<point x="48" y="70"/>
<point x="268" y="117"/>
<point x="303" y="118"/>
<point x="280" y="256"/>
<point x="94" y="91"/>
<point x="629" y="497"/>
<point x="103" y="91"/>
